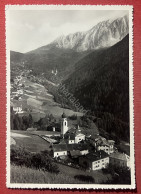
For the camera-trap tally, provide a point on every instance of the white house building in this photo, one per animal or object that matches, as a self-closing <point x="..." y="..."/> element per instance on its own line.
<point x="72" y="149"/>
<point x="76" y="137"/>
<point x="105" y="145"/>
<point x="94" y="161"/>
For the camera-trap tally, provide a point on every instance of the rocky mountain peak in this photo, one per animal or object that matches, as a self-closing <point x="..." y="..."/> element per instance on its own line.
<point x="104" y="34"/>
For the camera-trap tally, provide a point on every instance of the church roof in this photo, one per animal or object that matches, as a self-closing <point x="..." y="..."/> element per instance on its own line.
<point x="64" y="115"/>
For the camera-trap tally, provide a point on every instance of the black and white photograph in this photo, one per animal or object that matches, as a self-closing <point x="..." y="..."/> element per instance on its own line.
<point x="70" y="106"/>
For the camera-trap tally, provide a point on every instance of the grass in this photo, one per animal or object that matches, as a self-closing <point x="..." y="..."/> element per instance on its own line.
<point x="26" y="175"/>
<point x="22" y="174"/>
<point x="32" y="143"/>
<point x="97" y="175"/>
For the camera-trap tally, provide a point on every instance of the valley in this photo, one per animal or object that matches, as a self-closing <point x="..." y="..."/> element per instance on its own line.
<point x="69" y="103"/>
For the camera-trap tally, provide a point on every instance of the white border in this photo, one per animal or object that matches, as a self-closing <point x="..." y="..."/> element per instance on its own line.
<point x="132" y="160"/>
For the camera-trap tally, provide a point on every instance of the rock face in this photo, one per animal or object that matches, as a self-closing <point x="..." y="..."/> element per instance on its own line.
<point x="104" y="34"/>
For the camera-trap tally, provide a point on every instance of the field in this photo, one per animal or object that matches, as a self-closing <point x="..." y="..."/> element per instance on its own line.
<point x="41" y="93"/>
<point x="97" y="175"/>
<point x="27" y="175"/>
<point x="21" y="174"/>
<point x="32" y="143"/>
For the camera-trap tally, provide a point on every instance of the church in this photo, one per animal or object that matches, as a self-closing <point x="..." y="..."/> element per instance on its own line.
<point x="76" y="137"/>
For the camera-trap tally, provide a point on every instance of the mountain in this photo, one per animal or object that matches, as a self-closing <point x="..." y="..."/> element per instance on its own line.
<point x="101" y="83"/>
<point x="62" y="54"/>
<point x="104" y="34"/>
<point x="101" y="80"/>
<point x="44" y="61"/>
<point x="16" y="56"/>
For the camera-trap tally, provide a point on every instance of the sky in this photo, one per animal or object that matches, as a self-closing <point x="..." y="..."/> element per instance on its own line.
<point x="31" y="29"/>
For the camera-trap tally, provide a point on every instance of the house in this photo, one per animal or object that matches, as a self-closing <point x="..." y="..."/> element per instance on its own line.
<point x="17" y="108"/>
<point x="59" y="150"/>
<point x="76" y="137"/>
<point x="79" y="137"/>
<point x="120" y="159"/>
<point x="64" y="149"/>
<point x="71" y="139"/>
<point x="105" y="145"/>
<point x="78" y="149"/>
<point x="94" y="161"/>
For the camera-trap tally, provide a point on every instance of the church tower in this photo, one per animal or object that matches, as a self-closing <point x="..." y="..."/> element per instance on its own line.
<point x="64" y="124"/>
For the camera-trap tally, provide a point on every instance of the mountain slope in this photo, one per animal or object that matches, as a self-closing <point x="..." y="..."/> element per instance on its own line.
<point x="101" y="80"/>
<point x="16" y="57"/>
<point x="101" y="83"/>
<point x="45" y="60"/>
<point x="104" y="34"/>
<point x="62" y="54"/>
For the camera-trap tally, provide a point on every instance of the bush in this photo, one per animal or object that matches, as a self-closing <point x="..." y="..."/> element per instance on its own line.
<point x="84" y="178"/>
<point x="22" y="157"/>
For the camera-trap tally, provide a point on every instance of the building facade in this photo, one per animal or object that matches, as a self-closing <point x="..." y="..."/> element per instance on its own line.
<point x="94" y="161"/>
<point x="120" y="159"/>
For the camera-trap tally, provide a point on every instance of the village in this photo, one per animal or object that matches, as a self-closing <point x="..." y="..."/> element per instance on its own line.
<point x="69" y="144"/>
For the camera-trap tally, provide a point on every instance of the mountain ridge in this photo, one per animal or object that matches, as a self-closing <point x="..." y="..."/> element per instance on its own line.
<point x="104" y="34"/>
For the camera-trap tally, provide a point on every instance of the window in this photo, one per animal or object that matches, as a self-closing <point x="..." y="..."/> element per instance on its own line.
<point x="57" y="153"/>
<point x="65" y="123"/>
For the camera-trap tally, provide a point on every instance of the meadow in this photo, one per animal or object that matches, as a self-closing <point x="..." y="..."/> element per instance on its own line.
<point x="31" y="142"/>
<point x="22" y="174"/>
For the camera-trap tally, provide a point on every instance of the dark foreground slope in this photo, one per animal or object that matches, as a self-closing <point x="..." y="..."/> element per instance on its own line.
<point x="101" y="83"/>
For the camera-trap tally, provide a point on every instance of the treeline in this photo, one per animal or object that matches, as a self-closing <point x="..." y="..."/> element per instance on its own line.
<point x="24" y="122"/>
<point x="21" y="123"/>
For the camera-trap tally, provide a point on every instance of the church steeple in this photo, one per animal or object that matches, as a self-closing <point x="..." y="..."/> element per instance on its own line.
<point x="64" y="124"/>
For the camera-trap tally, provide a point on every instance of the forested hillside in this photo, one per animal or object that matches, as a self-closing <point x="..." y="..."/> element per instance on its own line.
<point x="101" y="83"/>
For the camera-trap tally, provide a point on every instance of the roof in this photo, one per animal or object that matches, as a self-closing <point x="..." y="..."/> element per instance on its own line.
<point x="75" y="153"/>
<point x="79" y="135"/>
<point x="64" y="115"/>
<point x="69" y="147"/>
<point x="111" y="141"/>
<point x="72" y="137"/>
<point x="95" y="156"/>
<point x="59" y="147"/>
<point x="103" y="142"/>
<point x="119" y="156"/>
